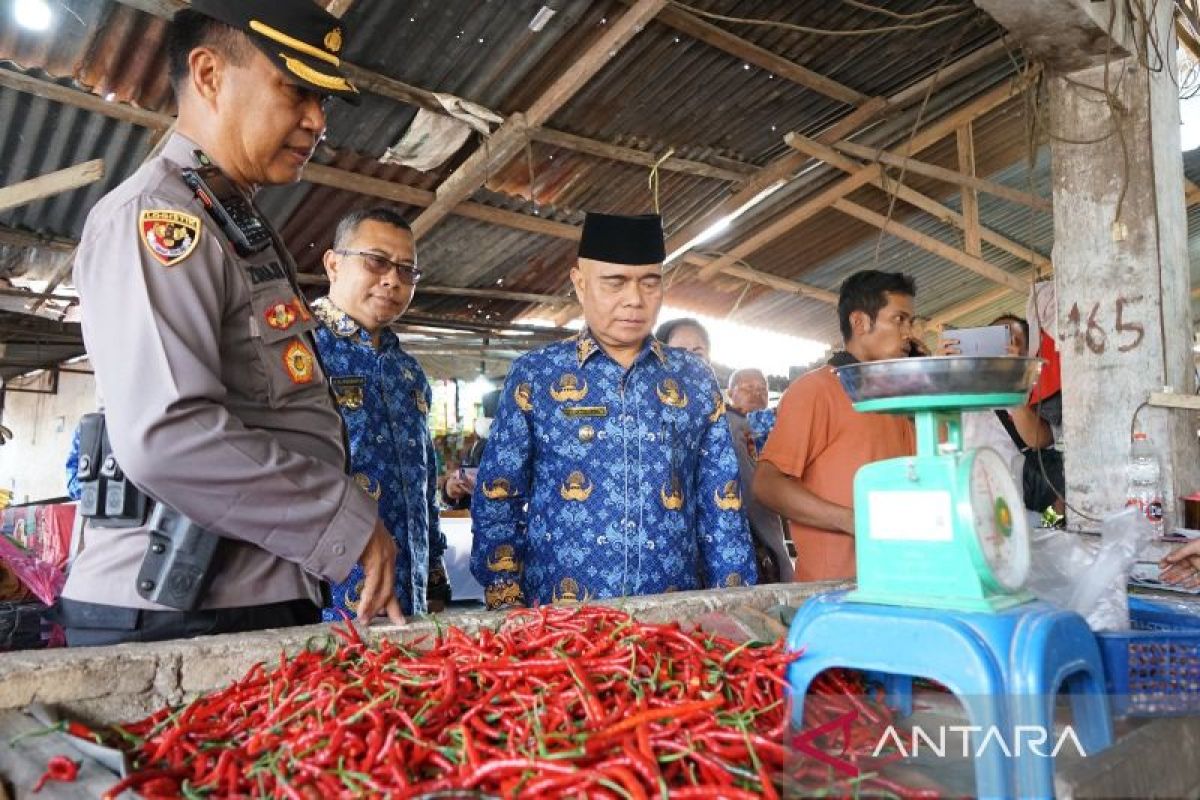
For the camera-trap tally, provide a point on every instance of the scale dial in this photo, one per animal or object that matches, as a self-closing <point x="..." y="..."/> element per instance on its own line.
<point x="998" y="517"/>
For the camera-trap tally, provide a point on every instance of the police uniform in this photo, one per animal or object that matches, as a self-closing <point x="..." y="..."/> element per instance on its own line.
<point x="214" y="401"/>
<point x="600" y="481"/>
<point x="384" y="398"/>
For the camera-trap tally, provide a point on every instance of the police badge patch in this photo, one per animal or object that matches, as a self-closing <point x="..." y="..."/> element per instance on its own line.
<point x="170" y="236"/>
<point x="298" y="360"/>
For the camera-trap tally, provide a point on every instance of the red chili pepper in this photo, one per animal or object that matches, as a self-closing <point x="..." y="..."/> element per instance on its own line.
<point x="59" y="768"/>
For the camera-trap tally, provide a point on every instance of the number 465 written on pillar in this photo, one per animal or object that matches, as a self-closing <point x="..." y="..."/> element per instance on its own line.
<point x="1105" y="327"/>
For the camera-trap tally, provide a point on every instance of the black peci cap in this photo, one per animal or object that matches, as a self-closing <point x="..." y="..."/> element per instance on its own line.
<point x="618" y="239"/>
<point x="301" y="38"/>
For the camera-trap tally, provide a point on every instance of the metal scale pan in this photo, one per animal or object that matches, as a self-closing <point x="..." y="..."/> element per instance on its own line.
<point x="906" y="385"/>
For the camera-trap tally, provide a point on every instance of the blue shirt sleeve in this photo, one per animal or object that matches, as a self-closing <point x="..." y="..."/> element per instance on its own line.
<point x="72" y="466"/>
<point x="499" y="505"/>
<point x="726" y="551"/>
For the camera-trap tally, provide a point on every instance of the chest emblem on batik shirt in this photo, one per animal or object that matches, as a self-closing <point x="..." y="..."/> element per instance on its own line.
<point x="718" y="408"/>
<point x="670" y="394"/>
<point x="523" y="397"/>
<point x="672" y="495"/>
<point x="503" y="559"/>
<point x="499" y="489"/>
<point x="729" y="498"/>
<point x="567" y="591"/>
<point x="577" y="487"/>
<point x="568" y="389"/>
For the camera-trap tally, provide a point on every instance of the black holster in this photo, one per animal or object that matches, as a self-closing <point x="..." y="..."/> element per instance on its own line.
<point x="177" y="567"/>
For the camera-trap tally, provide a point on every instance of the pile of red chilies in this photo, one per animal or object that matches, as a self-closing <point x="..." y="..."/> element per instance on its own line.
<point x="577" y="702"/>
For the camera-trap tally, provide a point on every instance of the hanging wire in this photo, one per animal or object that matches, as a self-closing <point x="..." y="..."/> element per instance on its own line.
<point x="653" y="178"/>
<point x="738" y="303"/>
<point x="960" y="11"/>
<point x="916" y="126"/>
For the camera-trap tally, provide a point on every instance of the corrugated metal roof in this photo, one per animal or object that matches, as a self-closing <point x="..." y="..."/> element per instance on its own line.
<point x="42" y="136"/>
<point x="663" y="90"/>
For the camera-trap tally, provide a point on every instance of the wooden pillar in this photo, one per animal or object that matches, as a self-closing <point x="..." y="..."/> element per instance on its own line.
<point x="1121" y="270"/>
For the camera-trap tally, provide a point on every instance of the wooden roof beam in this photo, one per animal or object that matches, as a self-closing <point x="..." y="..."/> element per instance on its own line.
<point x="913" y="197"/>
<point x="948" y="315"/>
<point x="511" y="137"/>
<point x="17" y="238"/>
<point x="312" y="279"/>
<point x="955" y="177"/>
<point x="50" y="184"/>
<point x="715" y="36"/>
<point x="824" y="199"/>
<point x="642" y="158"/>
<point x="935" y="246"/>
<point x="965" y="145"/>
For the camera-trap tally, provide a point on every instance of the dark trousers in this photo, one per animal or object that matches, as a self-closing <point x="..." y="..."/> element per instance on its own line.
<point x="91" y="624"/>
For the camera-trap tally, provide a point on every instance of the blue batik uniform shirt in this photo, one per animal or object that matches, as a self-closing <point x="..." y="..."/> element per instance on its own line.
<point x="601" y="481"/>
<point x="384" y="397"/>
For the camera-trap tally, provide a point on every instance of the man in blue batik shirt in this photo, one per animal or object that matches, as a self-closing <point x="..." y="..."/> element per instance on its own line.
<point x="383" y="396"/>
<point x="609" y="469"/>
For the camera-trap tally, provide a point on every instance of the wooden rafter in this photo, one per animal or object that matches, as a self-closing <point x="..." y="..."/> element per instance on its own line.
<point x="965" y="145"/>
<point x="822" y="200"/>
<point x="917" y="199"/>
<point x="948" y="175"/>
<point x="984" y="300"/>
<point x="412" y="196"/>
<point x="642" y="158"/>
<point x="309" y="279"/>
<point x="50" y="184"/>
<point x="718" y="37"/>
<point x="935" y="246"/>
<point x="511" y="137"/>
<point x="17" y="238"/>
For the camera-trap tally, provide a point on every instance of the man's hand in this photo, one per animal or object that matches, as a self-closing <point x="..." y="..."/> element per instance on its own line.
<point x="1182" y="566"/>
<point x="378" y="561"/>
<point x="459" y="486"/>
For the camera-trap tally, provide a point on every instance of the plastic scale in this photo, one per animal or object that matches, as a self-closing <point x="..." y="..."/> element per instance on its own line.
<point x="942" y="546"/>
<point x="945" y="528"/>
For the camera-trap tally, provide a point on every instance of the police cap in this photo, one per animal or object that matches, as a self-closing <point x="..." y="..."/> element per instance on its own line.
<point x="301" y="38"/>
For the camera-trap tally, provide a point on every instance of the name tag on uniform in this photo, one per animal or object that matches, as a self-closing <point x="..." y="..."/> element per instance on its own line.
<point x="348" y="390"/>
<point x="586" y="411"/>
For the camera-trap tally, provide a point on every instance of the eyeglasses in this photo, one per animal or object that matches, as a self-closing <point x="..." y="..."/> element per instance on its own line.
<point x="379" y="265"/>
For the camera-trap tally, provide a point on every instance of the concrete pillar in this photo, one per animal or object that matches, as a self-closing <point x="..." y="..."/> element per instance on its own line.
<point x="1120" y="242"/>
<point x="1122" y="275"/>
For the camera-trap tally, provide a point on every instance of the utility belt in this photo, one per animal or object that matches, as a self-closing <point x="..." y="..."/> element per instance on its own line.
<point x="176" y="569"/>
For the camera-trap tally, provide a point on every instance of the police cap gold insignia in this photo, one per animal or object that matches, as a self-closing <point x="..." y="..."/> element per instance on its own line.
<point x="302" y="39"/>
<point x="170" y="236"/>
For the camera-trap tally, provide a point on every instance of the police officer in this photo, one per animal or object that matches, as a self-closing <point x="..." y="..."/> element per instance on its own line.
<point x="609" y="470"/>
<point x="212" y="407"/>
<point x="384" y="398"/>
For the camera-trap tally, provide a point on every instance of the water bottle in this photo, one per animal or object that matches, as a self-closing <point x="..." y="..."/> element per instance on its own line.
<point x="1144" y="476"/>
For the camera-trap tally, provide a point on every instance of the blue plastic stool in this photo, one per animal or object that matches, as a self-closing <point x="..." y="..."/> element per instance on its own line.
<point x="1006" y="668"/>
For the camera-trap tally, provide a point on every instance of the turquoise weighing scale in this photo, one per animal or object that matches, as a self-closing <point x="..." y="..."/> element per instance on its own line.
<point x="942" y="547"/>
<point x="945" y="528"/>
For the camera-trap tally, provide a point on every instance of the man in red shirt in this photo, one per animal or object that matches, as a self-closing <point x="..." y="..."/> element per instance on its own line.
<point x="806" y="470"/>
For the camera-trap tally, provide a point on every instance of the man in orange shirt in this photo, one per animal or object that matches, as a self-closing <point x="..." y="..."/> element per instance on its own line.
<point x="806" y="470"/>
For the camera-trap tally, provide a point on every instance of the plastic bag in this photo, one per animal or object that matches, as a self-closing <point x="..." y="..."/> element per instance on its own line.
<point x="1088" y="577"/>
<point x="44" y="580"/>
